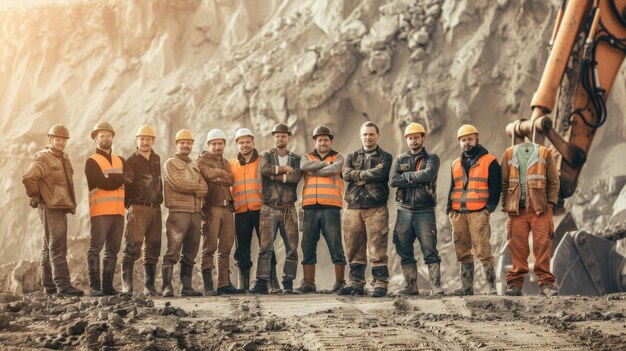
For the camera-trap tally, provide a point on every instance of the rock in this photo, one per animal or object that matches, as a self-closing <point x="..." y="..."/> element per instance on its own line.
<point x="421" y="37"/>
<point x="160" y="332"/>
<point x="430" y="22"/>
<point x="381" y="33"/>
<point x="418" y="55"/>
<point x="379" y="62"/>
<point x="77" y="328"/>
<point x="25" y="278"/>
<point x="616" y="183"/>
<point x="434" y="11"/>
<point x="232" y="78"/>
<point x="245" y="307"/>
<point x="582" y="213"/>
<point x="416" y="22"/>
<point x="116" y="321"/>
<point x="146" y="330"/>
<point x="236" y="103"/>
<point x="15" y="306"/>
<point x="305" y="66"/>
<point x="106" y="339"/>
<point x="502" y="3"/>
<point x="4" y="321"/>
<point x="619" y="207"/>
<point x="175" y="90"/>
<point x="353" y="30"/>
<point x="395" y="7"/>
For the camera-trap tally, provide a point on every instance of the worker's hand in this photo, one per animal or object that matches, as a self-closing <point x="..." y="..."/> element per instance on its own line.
<point x="379" y="166"/>
<point x="287" y="169"/>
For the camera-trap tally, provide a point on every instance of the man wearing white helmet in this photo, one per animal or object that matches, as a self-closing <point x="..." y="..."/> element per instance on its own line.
<point x="218" y="228"/>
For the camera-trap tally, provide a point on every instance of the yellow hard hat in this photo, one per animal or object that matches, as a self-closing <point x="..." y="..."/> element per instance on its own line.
<point x="146" y="130"/>
<point x="184" y="134"/>
<point x="466" y="129"/>
<point x="413" y="128"/>
<point x="101" y="126"/>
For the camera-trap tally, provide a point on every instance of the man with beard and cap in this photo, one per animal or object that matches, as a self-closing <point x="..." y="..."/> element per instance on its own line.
<point x="184" y="189"/>
<point x="281" y="173"/>
<point x="107" y="175"/>
<point x="49" y="184"/>
<point x="415" y="175"/>
<point x="144" y="197"/>
<point x="474" y="193"/>
<point x="248" y="199"/>
<point x="218" y="229"/>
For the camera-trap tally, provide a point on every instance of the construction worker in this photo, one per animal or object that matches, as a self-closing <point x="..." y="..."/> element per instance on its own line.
<point x="366" y="221"/>
<point x="218" y="230"/>
<point x="184" y="189"/>
<point x="474" y="193"/>
<point x="415" y="175"/>
<point x="144" y="197"/>
<point x="107" y="174"/>
<point x="50" y="187"/>
<point x="247" y="197"/>
<point x="322" y="200"/>
<point x="530" y="190"/>
<point x="281" y="173"/>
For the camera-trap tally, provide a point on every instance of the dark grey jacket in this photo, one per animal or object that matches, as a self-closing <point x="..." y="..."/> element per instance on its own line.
<point x="417" y="189"/>
<point x="367" y="184"/>
<point x="277" y="192"/>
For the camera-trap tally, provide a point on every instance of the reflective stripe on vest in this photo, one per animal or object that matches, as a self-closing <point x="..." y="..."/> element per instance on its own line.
<point x="246" y="189"/>
<point x="107" y="202"/>
<point x="536" y="170"/>
<point x="475" y="195"/>
<point x="322" y="190"/>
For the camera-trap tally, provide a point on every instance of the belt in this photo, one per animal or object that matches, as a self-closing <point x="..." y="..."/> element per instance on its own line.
<point x="146" y="204"/>
<point x="280" y="206"/>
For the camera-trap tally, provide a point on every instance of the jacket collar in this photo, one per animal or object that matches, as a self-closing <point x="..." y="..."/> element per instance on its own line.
<point x="376" y="151"/>
<point x="422" y="153"/>
<point x="187" y="159"/>
<point x="242" y="160"/>
<point x="330" y="153"/>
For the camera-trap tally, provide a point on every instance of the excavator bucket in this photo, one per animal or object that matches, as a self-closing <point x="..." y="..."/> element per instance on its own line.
<point x="563" y="223"/>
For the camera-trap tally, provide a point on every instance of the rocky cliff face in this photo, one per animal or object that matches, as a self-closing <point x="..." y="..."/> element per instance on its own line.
<point x="232" y="63"/>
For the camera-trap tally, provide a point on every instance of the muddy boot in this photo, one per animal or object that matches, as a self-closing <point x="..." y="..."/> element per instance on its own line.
<point x="260" y="287"/>
<point x="186" y="288"/>
<point x="108" y="273"/>
<point x="308" y="283"/>
<point x="274" y="284"/>
<point x="229" y="290"/>
<point x="207" y="279"/>
<point x="287" y="286"/>
<point x="340" y="280"/>
<point x="434" y="272"/>
<point x="410" y="279"/>
<point x="127" y="277"/>
<point x="71" y="291"/>
<point x="167" y="271"/>
<point x="490" y="275"/>
<point x="244" y="278"/>
<point x="149" y="273"/>
<point x="467" y="280"/>
<point x="94" y="277"/>
<point x="549" y="290"/>
<point x="380" y="275"/>
<point x="513" y="291"/>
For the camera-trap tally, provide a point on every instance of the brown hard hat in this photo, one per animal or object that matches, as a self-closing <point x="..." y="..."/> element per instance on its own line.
<point x="101" y="126"/>
<point x="59" y="130"/>
<point x="281" y="128"/>
<point x="322" y="130"/>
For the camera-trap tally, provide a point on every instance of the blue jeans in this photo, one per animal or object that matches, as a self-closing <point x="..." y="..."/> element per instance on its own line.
<point x="328" y="221"/>
<point x="420" y="225"/>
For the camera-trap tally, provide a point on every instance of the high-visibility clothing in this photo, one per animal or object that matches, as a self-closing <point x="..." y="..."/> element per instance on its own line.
<point x="471" y="191"/>
<point x="322" y="190"/>
<point x="107" y="202"/>
<point x="536" y="168"/>
<point x="246" y="189"/>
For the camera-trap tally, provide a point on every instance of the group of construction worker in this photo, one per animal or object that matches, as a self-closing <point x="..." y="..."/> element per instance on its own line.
<point x="224" y="201"/>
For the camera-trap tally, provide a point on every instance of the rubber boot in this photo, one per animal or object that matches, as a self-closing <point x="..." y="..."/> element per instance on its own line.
<point x="467" y="280"/>
<point x="490" y="275"/>
<point x="410" y="280"/>
<point x="244" y="278"/>
<point x="167" y="271"/>
<point x="207" y="280"/>
<point x="186" y="288"/>
<point x="274" y="284"/>
<point x="108" y="273"/>
<point x="149" y="273"/>
<point x="434" y="272"/>
<point x="260" y="287"/>
<point x="127" y="277"/>
<point x="308" y="283"/>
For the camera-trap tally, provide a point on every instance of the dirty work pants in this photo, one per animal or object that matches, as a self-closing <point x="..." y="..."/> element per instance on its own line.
<point x="144" y="223"/>
<point x="471" y="230"/>
<point x="285" y="222"/>
<point x="245" y="224"/>
<point x="107" y="231"/>
<point x="328" y="221"/>
<point x="183" y="231"/>
<point x="366" y="232"/>
<point x="218" y="233"/>
<point x="420" y="225"/>
<point x="54" y="270"/>
<point x="518" y="228"/>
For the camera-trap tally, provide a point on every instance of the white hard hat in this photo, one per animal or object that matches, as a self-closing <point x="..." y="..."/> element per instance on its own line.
<point x="215" y="134"/>
<point x="243" y="132"/>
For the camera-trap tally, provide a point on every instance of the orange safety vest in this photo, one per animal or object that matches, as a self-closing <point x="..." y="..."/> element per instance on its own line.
<point x="107" y="202"/>
<point x="536" y="170"/>
<point x="475" y="195"/>
<point x="246" y="189"/>
<point x="322" y="190"/>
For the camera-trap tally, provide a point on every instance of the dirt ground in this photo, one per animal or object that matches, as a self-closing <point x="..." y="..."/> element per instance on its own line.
<point x="314" y="322"/>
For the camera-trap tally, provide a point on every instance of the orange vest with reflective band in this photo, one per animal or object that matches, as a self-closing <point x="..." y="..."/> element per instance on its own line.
<point x="107" y="202"/>
<point x="322" y="190"/>
<point x="246" y="189"/>
<point x="475" y="195"/>
<point x="536" y="172"/>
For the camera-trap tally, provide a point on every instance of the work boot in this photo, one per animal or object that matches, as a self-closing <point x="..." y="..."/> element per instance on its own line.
<point x="259" y="287"/>
<point x="379" y="291"/>
<point x="244" y="278"/>
<point x="490" y="276"/>
<point x="108" y="273"/>
<point x="71" y="291"/>
<point x="94" y="284"/>
<point x="167" y="271"/>
<point x="287" y="287"/>
<point x="229" y="290"/>
<point x="127" y="277"/>
<point x="340" y="281"/>
<point x="513" y="291"/>
<point x="410" y="280"/>
<point x="273" y="283"/>
<point x="308" y="283"/>
<point x="207" y="279"/>
<point x="549" y="290"/>
<point x="186" y="288"/>
<point x="467" y="280"/>
<point x="49" y="290"/>
<point x="351" y="290"/>
<point x="149" y="272"/>
<point x="434" y="272"/>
